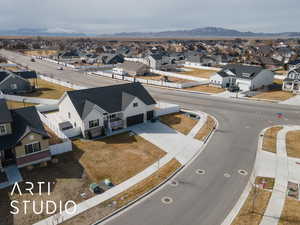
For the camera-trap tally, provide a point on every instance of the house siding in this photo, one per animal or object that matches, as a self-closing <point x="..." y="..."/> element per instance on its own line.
<point x="20" y="149"/>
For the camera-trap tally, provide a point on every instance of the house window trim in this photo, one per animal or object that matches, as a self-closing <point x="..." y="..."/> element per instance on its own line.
<point x="42" y="150"/>
<point x="5" y="130"/>
<point x="32" y="143"/>
<point x="98" y="121"/>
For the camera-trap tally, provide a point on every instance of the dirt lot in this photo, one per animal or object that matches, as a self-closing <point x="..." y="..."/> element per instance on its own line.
<point x="206" y="129"/>
<point x="206" y="88"/>
<point x="269" y="140"/>
<point x="179" y="122"/>
<point x="158" y="77"/>
<point x="199" y="73"/>
<point x="17" y="105"/>
<point x="124" y="198"/>
<point x="251" y="214"/>
<point x="293" y="144"/>
<point x="118" y="157"/>
<point x="47" y="89"/>
<point x="290" y="214"/>
<point x="68" y="181"/>
<point x="40" y="52"/>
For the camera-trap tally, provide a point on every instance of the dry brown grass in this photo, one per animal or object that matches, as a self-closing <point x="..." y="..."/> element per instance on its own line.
<point x="206" y="129"/>
<point x="293" y="144"/>
<point x="179" y="122"/>
<point x="269" y="140"/>
<point x="102" y="210"/>
<point x="68" y="181"/>
<point x="40" y="52"/>
<point x="199" y="73"/>
<point x="47" y="89"/>
<point x="251" y="214"/>
<point x="206" y="88"/>
<point x="290" y="214"/>
<point x="275" y="95"/>
<point x="117" y="158"/>
<point x="17" y="105"/>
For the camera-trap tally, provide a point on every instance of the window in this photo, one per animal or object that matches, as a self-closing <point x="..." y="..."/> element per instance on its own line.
<point x="2" y="129"/>
<point x="93" y="123"/>
<point x="32" y="148"/>
<point x="113" y="116"/>
<point x="69" y="115"/>
<point x="13" y="86"/>
<point x="135" y="104"/>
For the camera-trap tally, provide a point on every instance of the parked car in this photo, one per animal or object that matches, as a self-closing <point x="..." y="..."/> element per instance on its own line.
<point x="60" y="68"/>
<point x="32" y="60"/>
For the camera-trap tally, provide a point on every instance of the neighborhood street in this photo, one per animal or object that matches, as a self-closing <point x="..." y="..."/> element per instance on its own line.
<point x="198" y="199"/>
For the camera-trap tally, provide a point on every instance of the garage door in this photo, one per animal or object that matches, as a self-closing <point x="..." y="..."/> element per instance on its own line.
<point x="244" y="86"/>
<point x="132" y="120"/>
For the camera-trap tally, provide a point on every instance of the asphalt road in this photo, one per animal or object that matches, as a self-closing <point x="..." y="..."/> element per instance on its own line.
<point x="198" y="199"/>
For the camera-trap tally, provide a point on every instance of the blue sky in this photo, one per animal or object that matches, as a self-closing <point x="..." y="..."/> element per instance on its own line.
<point x="102" y="16"/>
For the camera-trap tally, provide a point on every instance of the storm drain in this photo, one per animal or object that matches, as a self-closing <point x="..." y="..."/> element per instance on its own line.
<point x="200" y="172"/>
<point x="227" y="175"/>
<point x="174" y="183"/>
<point x="167" y="200"/>
<point x="243" y="172"/>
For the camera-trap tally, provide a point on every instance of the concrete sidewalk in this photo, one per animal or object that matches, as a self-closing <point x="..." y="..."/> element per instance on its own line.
<point x="182" y="147"/>
<point x="277" y="200"/>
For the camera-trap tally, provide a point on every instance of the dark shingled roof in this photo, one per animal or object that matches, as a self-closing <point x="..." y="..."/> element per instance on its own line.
<point x="26" y="74"/>
<point x="25" y="120"/>
<point x="241" y="71"/>
<point x="5" y="115"/>
<point x="3" y="75"/>
<point x="110" y="98"/>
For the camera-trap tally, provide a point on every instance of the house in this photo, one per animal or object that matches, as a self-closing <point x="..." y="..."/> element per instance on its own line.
<point x="12" y="83"/>
<point x="244" y="76"/>
<point x="294" y="64"/>
<point x="131" y="68"/>
<point x="292" y="82"/>
<point x="23" y="139"/>
<point x="99" y="111"/>
<point x="111" y="58"/>
<point x="157" y="61"/>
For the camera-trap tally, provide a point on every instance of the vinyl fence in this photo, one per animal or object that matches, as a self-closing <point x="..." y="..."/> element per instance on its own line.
<point x="25" y="99"/>
<point x="62" y="83"/>
<point x="61" y="148"/>
<point x="180" y="76"/>
<point x="199" y="66"/>
<point x="166" y="108"/>
<point x="146" y="81"/>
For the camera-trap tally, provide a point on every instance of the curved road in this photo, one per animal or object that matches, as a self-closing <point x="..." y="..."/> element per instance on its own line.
<point x="198" y="199"/>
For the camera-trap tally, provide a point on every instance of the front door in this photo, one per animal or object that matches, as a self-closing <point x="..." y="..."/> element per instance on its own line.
<point x="8" y="158"/>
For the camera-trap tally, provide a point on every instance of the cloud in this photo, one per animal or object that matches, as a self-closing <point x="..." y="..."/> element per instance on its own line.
<point x="94" y="16"/>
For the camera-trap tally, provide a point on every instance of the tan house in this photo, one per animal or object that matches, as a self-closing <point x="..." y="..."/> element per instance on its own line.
<point x="23" y="139"/>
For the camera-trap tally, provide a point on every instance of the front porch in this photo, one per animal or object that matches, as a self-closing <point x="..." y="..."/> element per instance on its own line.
<point x="291" y="86"/>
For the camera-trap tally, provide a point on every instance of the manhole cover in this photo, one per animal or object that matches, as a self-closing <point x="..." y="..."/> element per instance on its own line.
<point x="243" y="172"/>
<point x="174" y="183"/>
<point x="227" y="175"/>
<point x="200" y="172"/>
<point x="167" y="200"/>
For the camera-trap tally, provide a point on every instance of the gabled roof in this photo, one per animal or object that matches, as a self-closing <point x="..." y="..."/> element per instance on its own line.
<point x="25" y="120"/>
<point x="5" y="115"/>
<point x="110" y="98"/>
<point x="240" y="71"/>
<point x="26" y="74"/>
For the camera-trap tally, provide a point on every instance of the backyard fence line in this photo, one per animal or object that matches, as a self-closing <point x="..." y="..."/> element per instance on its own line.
<point x="62" y="83"/>
<point x="25" y="99"/>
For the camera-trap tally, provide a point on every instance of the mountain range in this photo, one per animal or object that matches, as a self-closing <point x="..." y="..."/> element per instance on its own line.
<point x="192" y="33"/>
<point x="205" y="32"/>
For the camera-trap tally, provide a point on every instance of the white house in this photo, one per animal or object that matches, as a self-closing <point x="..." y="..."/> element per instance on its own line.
<point x="244" y="76"/>
<point x="98" y="111"/>
<point x="292" y="82"/>
<point x="131" y="68"/>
